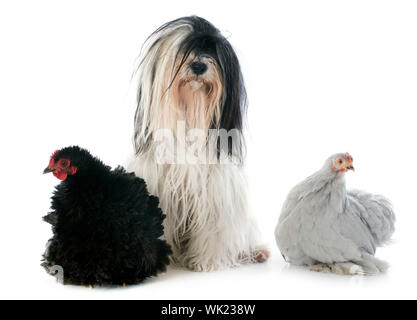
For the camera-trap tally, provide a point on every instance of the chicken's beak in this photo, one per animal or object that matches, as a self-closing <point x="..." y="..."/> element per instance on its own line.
<point x="350" y="168"/>
<point x="47" y="170"/>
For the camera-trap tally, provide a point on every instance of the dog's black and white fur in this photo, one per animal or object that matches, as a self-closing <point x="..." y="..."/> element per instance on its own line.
<point x="189" y="73"/>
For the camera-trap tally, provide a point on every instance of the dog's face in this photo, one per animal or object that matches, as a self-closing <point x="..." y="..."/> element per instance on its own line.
<point x="196" y="90"/>
<point x="189" y="72"/>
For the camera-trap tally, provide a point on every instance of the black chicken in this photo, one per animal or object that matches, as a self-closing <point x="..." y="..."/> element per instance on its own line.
<point x="106" y="226"/>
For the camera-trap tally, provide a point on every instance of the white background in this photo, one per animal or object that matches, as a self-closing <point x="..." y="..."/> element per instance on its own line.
<point x="322" y="77"/>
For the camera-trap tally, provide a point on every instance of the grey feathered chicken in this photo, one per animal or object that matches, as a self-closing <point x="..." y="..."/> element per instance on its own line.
<point x="333" y="230"/>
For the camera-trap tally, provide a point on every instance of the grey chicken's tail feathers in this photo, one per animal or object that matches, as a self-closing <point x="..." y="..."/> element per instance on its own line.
<point x="376" y="212"/>
<point x="371" y="265"/>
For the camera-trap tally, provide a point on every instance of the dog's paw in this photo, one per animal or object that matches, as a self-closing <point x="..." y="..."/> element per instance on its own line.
<point x="258" y="255"/>
<point x="261" y="255"/>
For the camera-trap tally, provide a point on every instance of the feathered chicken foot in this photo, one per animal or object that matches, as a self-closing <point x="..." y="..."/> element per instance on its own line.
<point x="347" y="268"/>
<point x="320" y="267"/>
<point x="341" y="268"/>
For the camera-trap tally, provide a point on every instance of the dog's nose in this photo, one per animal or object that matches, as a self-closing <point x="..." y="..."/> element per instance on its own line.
<point x="198" y="68"/>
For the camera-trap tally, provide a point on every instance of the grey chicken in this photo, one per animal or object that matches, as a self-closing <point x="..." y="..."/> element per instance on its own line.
<point x="333" y="230"/>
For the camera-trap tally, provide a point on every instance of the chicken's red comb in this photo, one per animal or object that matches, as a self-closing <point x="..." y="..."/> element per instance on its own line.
<point x="350" y="160"/>
<point x="52" y="160"/>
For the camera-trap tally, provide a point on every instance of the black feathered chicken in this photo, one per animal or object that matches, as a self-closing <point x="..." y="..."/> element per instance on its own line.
<point x="106" y="226"/>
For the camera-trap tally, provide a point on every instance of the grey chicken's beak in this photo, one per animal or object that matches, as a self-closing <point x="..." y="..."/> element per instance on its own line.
<point x="47" y="170"/>
<point x="350" y="168"/>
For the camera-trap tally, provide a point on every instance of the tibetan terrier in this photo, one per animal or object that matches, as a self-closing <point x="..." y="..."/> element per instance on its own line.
<point x="189" y="147"/>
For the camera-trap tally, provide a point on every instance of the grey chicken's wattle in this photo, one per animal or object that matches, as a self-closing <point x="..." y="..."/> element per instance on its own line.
<point x="330" y="229"/>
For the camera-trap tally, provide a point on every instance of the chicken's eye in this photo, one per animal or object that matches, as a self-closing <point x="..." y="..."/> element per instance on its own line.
<point x="64" y="163"/>
<point x="340" y="161"/>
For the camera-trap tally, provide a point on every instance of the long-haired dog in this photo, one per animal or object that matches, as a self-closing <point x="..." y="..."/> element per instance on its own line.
<point x="190" y="90"/>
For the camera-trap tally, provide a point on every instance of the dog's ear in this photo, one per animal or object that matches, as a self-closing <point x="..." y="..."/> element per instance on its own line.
<point x="235" y="100"/>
